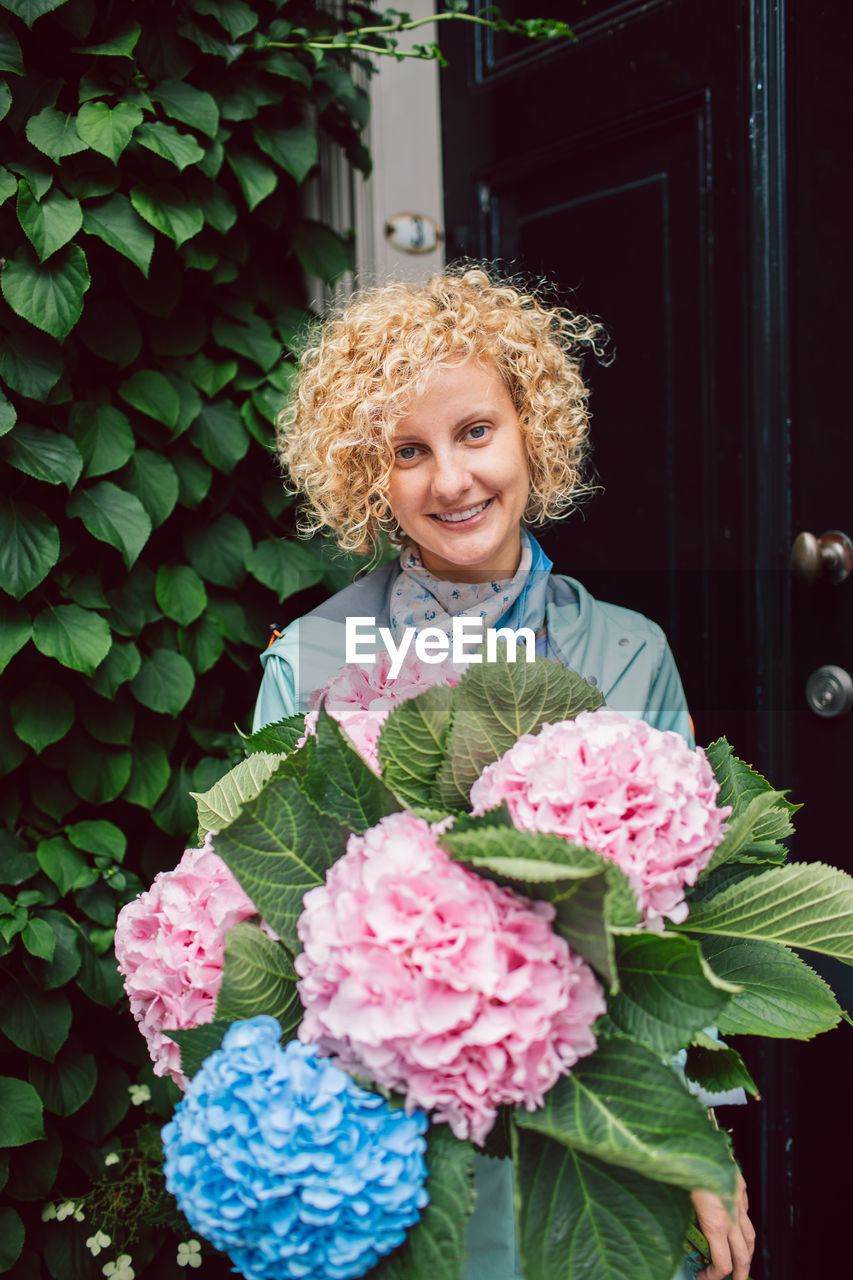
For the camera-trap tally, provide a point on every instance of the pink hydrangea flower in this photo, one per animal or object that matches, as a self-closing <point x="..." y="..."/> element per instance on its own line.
<point x="170" y="947"/>
<point x="361" y="697"/>
<point x="433" y="981"/>
<point x="638" y="795"/>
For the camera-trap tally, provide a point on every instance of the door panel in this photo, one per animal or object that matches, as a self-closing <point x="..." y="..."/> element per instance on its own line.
<point x="648" y="171"/>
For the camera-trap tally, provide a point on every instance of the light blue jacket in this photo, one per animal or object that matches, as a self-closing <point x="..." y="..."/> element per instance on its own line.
<point x="620" y="651"/>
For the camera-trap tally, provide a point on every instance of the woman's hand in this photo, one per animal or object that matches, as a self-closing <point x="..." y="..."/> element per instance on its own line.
<point x="731" y="1241"/>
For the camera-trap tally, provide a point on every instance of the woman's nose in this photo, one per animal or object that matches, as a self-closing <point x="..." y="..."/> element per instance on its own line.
<point x="451" y="475"/>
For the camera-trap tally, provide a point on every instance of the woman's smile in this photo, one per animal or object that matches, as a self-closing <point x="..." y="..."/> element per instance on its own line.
<point x="459" y="485"/>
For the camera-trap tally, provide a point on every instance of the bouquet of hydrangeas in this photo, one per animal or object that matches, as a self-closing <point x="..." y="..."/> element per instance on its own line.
<point x="495" y="929"/>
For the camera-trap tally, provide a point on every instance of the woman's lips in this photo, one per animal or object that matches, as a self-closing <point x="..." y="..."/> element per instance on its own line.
<point x="463" y="517"/>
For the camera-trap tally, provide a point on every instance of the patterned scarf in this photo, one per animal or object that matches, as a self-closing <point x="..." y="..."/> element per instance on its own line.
<point x="420" y="599"/>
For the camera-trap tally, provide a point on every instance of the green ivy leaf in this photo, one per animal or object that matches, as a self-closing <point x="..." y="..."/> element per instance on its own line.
<point x="284" y="566"/>
<point x="220" y="805"/>
<point x="251" y="337"/>
<point x="49" y="295"/>
<point x="180" y="593"/>
<point x="294" y="149"/>
<point x="202" y="645"/>
<point x="30" y="363"/>
<point x="149" y="775"/>
<point x="210" y="377"/>
<point x="99" y="774"/>
<point x="153" y="394"/>
<point x="10" y="54"/>
<point x="120" y="44"/>
<point x="167" y="209"/>
<point x="64" y="865"/>
<point x="42" y="714"/>
<point x="36" y="1021"/>
<point x="66" y="1085"/>
<point x="78" y="638"/>
<point x="44" y="454"/>
<point x="110" y="330"/>
<point x="257" y="180"/>
<point x="54" y="134"/>
<point x="218" y="550"/>
<point x="108" y="721"/>
<point x="188" y="104"/>
<point x="154" y="481"/>
<point x="258" y="977"/>
<point x="237" y="18"/>
<point x="8" y="185"/>
<point x="51" y="224"/>
<point x="120" y="665"/>
<point x="106" y="130"/>
<point x="174" y="812"/>
<point x="180" y="149"/>
<point x="40" y="177"/>
<point x="132" y="605"/>
<point x="98" y="836"/>
<point x="14" y="633"/>
<point x="38" y="938"/>
<point x="12" y="1234"/>
<point x="66" y="954"/>
<point x="29" y="547"/>
<point x="103" y="436"/>
<point x="20" y="1113"/>
<point x="220" y="434"/>
<point x="281" y="63"/>
<point x="116" y="223"/>
<point x="165" y="682"/>
<point x="321" y="251"/>
<point x="194" y="477"/>
<point x="114" y="516"/>
<point x="8" y="414"/>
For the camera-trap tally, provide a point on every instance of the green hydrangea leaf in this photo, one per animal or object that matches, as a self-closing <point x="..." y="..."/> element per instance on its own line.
<point x="30" y="363"/>
<point x="29" y="547"/>
<point x="780" y="995"/>
<point x="47" y="294"/>
<point x="180" y="593"/>
<point x="321" y="251"/>
<point x="50" y="224"/>
<point x="219" y="805"/>
<point x="180" y="149"/>
<point x="257" y="180"/>
<point x="221" y="436"/>
<point x="152" y="393"/>
<point x="167" y="209"/>
<point x="44" y="454"/>
<point x="149" y="775"/>
<point x="164" y="683"/>
<point x="295" y="149"/>
<point x="108" y="130"/>
<point x="188" y="104"/>
<point x="20" y="1113"/>
<point x="285" y="567"/>
<point x="54" y="133"/>
<point x="258" y="977"/>
<point x="154" y="480"/>
<point x="114" y="516"/>
<point x="116" y="222"/>
<point x="218" y="550"/>
<point x="78" y="638"/>
<point x="42" y="714"/>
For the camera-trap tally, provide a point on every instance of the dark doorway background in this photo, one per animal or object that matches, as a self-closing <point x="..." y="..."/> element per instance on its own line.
<point x="683" y="171"/>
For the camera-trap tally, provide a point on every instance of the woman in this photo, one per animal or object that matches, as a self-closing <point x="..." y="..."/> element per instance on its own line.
<point x="450" y="417"/>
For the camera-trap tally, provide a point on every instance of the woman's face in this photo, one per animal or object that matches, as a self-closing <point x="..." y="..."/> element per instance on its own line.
<point x="460" y="481"/>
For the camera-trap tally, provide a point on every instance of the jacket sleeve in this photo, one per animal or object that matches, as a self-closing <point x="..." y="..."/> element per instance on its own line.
<point x="277" y="694"/>
<point x="666" y="707"/>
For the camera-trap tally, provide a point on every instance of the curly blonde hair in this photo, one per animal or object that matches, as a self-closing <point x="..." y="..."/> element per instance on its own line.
<point x="376" y="354"/>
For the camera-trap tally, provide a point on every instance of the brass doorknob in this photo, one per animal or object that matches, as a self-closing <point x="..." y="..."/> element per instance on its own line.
<point x="828" y="558"/>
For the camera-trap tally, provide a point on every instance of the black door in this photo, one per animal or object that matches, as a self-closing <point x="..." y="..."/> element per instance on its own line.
<point x="681" y="171"/>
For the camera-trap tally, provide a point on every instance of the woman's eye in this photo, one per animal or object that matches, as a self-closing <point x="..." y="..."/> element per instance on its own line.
<point x="406" y="453"/>
<point x="478" y="432"/>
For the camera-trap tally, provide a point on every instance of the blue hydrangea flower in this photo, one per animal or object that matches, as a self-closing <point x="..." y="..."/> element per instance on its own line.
<point x="279" y="1158"/>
